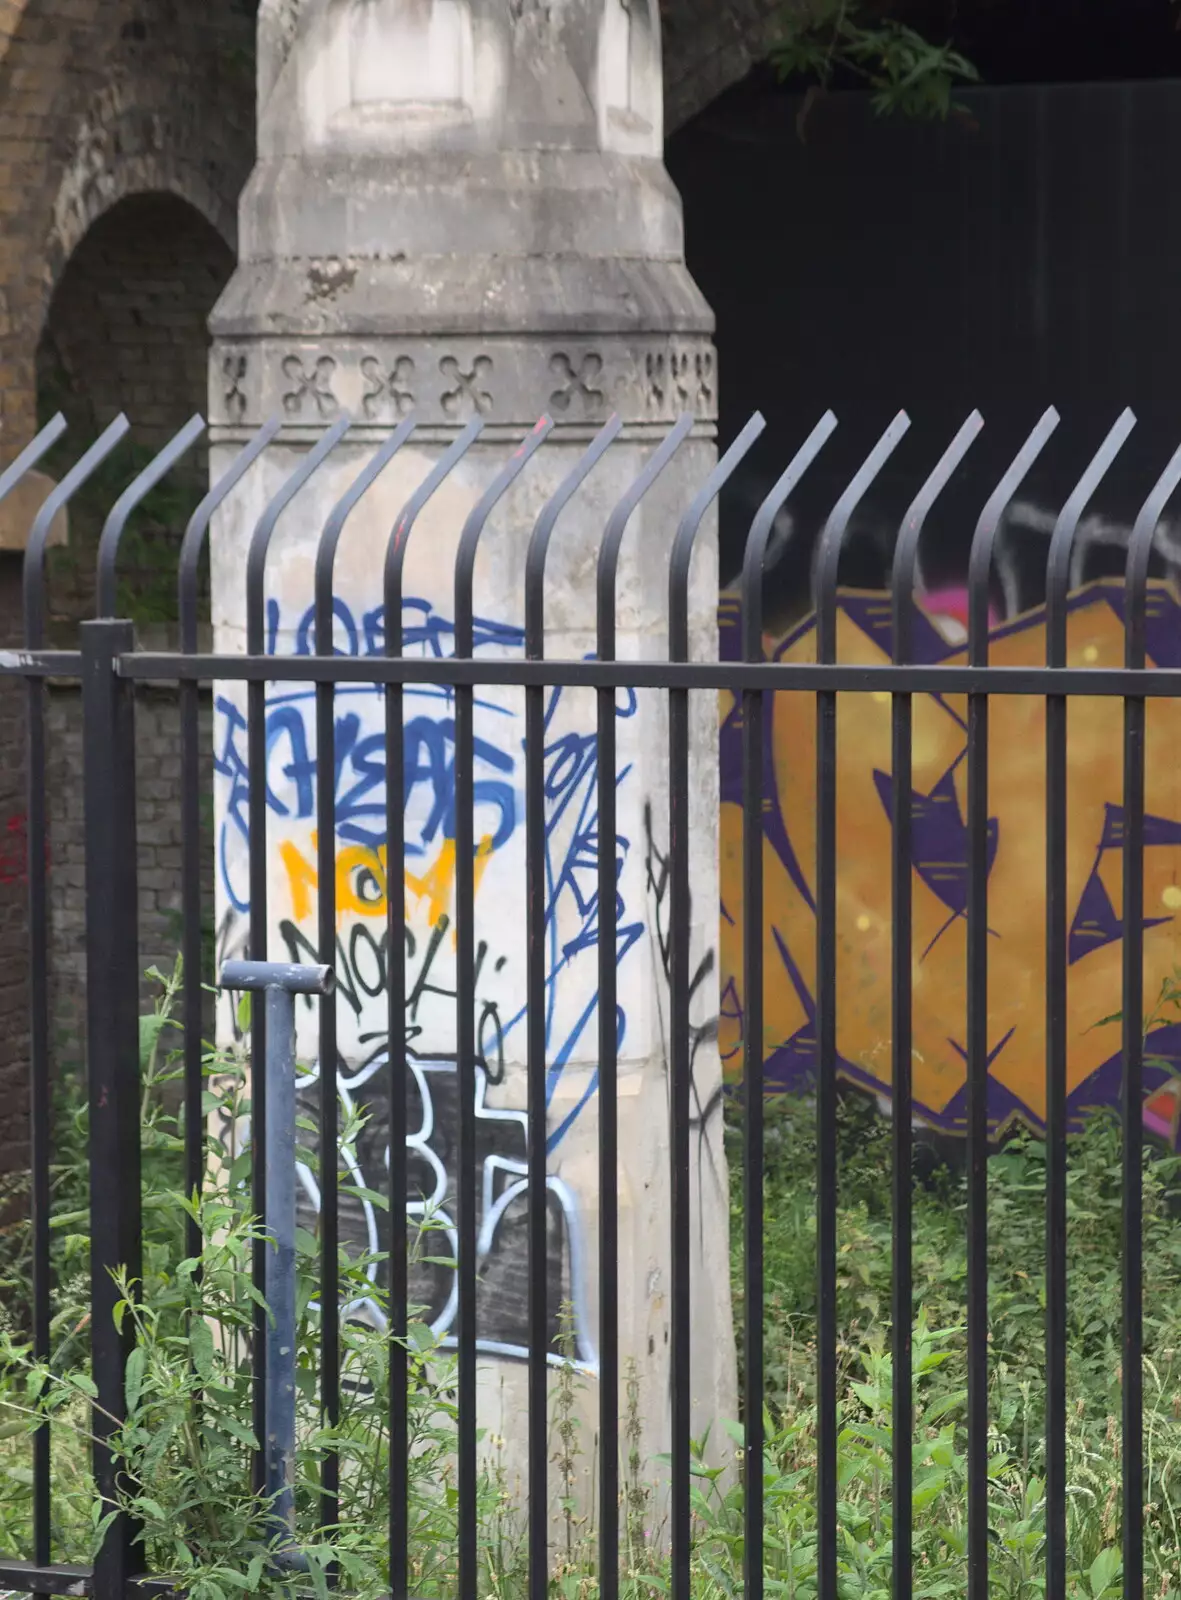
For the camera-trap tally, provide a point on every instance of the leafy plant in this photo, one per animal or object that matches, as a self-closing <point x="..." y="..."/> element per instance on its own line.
<point x="184" y="1448"/>
<point x="907" y="74"/>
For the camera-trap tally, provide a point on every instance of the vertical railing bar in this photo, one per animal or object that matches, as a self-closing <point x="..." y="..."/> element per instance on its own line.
<point x="40" y="1100"/>
<point x="979" y="572"/>
<point x="329" y="1131"/>
<point x="1132" y="1153"/>
<point x="256" y="778"/>
<point x="536" y="1063"/>
<point x="40" y="1116"/>
<point x="827" y="576"/>
<point x="33" y="572"/>
<point x="466" y="1002"/>
<point x="188" y="576"/>
<point x="902" y="586"/>
<point x="397" y="1069"/>
<point x="608" y="924"/>
<point x="679" y="933"/>
<point x="112" y="1052"/>
<point x="1057" y="587"/>
<point x="754" y="562"/>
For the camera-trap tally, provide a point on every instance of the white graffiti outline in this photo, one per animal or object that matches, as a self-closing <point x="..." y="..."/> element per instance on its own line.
<point x="587" y="1360"/>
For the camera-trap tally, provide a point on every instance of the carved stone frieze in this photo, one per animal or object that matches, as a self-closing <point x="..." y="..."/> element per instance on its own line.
<point x="445" y="383"/>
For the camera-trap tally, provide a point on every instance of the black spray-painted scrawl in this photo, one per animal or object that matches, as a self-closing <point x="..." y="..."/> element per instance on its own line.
<point x="502" y="1201"/>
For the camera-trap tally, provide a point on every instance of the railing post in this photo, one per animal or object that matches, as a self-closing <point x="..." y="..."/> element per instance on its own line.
<point x="112" y="1050"/>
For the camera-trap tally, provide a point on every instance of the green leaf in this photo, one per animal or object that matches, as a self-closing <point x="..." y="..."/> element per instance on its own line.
<point x="201" y="1347"/>
<point x="133" y="1379"/>
<point x="237" y="1430"/>
<point x="1105" y="1569"/>
<point x="150" y="1029"/>
<point x="381" y="1201"/>
<point x="735" y="1432"/>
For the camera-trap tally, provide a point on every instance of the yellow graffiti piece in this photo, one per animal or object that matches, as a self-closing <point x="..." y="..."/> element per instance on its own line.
<point x="302" y="878"/>
<point x="362" y="881"/>
<point x="1016" y="884"/>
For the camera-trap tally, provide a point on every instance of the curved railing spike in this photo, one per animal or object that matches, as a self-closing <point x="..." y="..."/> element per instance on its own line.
<point x="473" y="528"/>
<point x="539" y="540"/>
<point x="334" y="527"/>
<point x="755" y="553"/>
<point x="984" y="537"/>
<point x="1062" y="539"/>
<point x="34" y="568"/>
<point x="617" y="522"/>
<point x="906" y="552"/>
<point x="193" y="542"/>
<point x="256" y="559"/>
<point x="681" y="558"/>
<point x="832" y="539"/>
<point x="136" y="492"/>
<point x="31" y="454"/>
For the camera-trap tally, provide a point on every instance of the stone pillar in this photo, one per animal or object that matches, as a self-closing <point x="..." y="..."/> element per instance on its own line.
<point x="460" y="209"/>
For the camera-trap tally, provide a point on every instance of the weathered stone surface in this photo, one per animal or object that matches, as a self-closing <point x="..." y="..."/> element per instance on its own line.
<point x="460" y="210"/>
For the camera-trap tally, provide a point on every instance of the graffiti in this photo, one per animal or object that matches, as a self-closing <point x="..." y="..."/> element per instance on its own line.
<point x="502" y="1200"/>
<point x="702" y="1112"/>
<point x="571" y="843"/>
<point x="363" y="886"/>
<point x="362" y="974"/>
<point x="658" y="875"/>
<point x="1016" y="871"/>
<point x="1098" y="550"/>
<point x="429" y="789"/>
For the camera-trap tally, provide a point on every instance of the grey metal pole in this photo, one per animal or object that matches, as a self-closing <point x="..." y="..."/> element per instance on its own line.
<point x="280" y="982"/>
<point x="279" y="1282"/>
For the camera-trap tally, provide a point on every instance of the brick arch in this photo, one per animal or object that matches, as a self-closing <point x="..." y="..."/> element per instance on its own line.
<point x="127" y="325"/>
<point x="101" y="100"/>
<point x="128" y="150"/>
<point x="709" y="46"/>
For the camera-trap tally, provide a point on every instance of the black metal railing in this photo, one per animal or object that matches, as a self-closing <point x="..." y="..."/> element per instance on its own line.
<point x="110" y="668"/>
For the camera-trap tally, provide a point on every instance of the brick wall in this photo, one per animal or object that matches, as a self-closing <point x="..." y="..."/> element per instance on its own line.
<point x="158" y="860"/>
<point x="159" y="864"/>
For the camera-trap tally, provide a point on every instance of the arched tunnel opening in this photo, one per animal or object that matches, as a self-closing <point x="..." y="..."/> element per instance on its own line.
<point x="126" y="331"/>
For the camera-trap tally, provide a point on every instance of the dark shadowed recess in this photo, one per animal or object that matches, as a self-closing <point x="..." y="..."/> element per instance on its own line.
<point x="1019" y="254"/>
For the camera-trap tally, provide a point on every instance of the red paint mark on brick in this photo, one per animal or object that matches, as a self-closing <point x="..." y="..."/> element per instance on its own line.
<point x="14" y="849"/>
